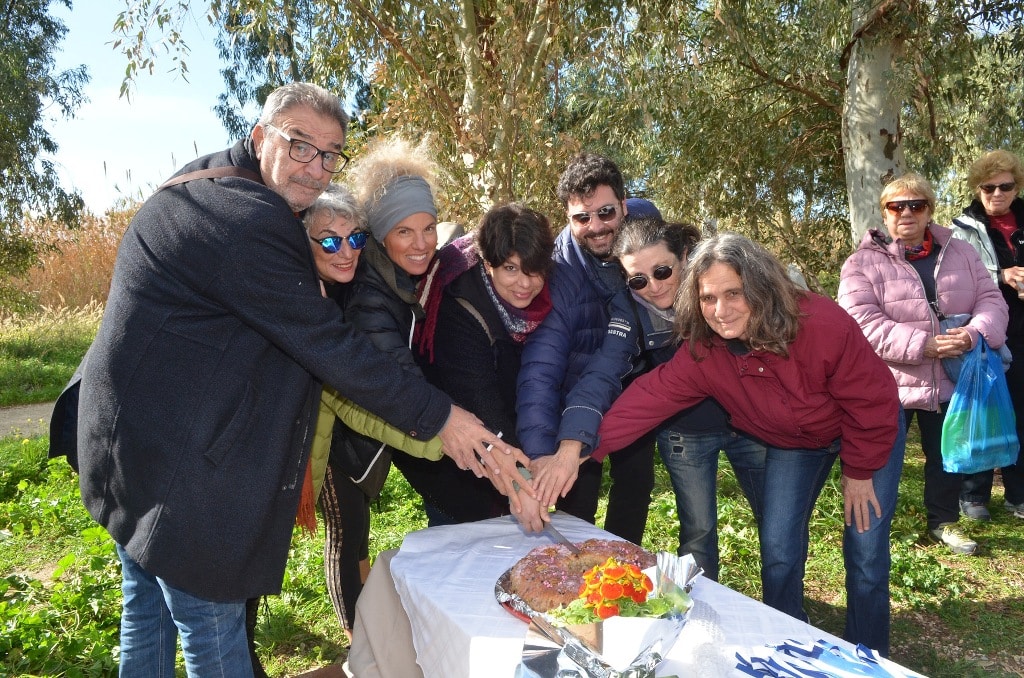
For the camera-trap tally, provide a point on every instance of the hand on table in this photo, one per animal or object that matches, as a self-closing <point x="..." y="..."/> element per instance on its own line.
<point x="858" y="500"/>
<point x="555" y="474"/>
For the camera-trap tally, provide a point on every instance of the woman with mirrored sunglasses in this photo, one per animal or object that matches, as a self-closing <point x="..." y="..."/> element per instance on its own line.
<point x="899" y="285"/>
<point x="334" y="225"/>
<point x="653" y="254"/>
<point x="994" y="224"/>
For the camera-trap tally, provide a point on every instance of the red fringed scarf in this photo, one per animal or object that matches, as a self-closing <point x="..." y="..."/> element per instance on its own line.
<point x="306" y="518"/>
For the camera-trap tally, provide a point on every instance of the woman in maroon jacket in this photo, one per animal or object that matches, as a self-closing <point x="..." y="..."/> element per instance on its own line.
<point x="794" y="370"/>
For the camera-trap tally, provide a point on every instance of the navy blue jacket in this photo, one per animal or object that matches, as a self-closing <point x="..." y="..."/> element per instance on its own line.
<point x="631" y="346"/>
<point x="558" y="352"/>
<point x="200" y="393"/>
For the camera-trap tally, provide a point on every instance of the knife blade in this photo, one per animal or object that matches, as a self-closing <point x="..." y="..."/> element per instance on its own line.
<point x="560" y="538"/>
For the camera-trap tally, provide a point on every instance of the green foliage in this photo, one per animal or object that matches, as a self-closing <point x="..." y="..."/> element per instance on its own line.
<point x="59" y="609"/>
<point x="59" y="578"/>
<point x="39" y="353"/>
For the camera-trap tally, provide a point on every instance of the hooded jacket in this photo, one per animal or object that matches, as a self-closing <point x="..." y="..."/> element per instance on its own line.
<point x="558" y="352"/>
<point x="885" y="295"/>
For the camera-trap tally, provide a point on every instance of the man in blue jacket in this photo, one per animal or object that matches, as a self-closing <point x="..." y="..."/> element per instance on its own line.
<point x="199" y="396"/>
<point x="585" y="279"/>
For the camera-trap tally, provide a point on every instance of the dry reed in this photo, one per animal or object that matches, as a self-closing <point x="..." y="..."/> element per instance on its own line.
<point x="77" y="265"/>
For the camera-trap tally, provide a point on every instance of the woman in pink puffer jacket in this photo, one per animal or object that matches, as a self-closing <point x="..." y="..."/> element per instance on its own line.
<point x="898" y="285"/>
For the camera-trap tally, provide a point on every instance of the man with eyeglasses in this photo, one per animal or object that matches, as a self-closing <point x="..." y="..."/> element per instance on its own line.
<point x="199" y="396"/>
<point x="585" y="279"/>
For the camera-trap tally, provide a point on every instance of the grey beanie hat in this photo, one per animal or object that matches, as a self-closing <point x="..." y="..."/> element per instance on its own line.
<point x="403" y="196"/>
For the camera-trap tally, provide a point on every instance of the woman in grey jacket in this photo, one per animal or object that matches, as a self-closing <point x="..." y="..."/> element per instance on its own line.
<point x="994" y="224"/>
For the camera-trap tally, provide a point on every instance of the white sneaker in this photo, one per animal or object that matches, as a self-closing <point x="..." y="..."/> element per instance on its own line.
<point x="1016" y="510"/>
<point x="954" y="539"/>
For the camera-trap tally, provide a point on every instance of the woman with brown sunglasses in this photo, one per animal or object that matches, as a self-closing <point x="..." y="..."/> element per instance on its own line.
<point x="899" y="285"/>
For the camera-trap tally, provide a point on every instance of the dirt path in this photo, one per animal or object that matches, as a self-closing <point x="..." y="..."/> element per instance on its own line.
<point x="29" y="420"/>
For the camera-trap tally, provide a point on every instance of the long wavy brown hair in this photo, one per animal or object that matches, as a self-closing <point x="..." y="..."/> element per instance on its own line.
<point x="773" y="298"/>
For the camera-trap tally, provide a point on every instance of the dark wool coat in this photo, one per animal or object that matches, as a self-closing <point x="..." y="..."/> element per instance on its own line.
<point x="199" y="397"/>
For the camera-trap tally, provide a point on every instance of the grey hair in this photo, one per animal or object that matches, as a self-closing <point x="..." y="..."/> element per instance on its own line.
<point x="306" y="94"/>
<point x="336" y="201"/>
<point x="773" y="298"/>
<point x="639" y="234"/>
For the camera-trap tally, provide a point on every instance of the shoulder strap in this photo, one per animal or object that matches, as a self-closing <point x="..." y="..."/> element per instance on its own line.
<point x="476" y="314"/>
<point x="212" y="173"/>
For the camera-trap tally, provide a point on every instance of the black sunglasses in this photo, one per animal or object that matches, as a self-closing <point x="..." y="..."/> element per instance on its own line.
<point x="639" y="281"/>
<point x="332" y="243"/>
<point x="605" y="214"/>
<point x="915" y="206"/>
<point x="1005" y="188"/>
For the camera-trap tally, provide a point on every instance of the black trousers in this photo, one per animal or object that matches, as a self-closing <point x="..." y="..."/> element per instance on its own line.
<point x="629" y="497"/>
<point x="978" y="486"/>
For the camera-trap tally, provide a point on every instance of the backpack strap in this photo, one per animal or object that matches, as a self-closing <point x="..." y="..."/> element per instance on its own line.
<point x="476" y="314"/>
<point x="212" y="173"/>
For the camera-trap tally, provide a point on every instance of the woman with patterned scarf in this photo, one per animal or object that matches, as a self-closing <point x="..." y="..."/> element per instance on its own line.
<point x="899" y="285"/>
<point x="486" y="294"/>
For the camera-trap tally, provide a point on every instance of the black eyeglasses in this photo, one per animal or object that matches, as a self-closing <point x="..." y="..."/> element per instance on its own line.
<point x="332" y="243"/>
<point x="1005" y="188"/>
<point x="605" y="214"/>
<point x="639" y="281"/>
<point x="303" y="151"/>
<point x="915" y="206"/>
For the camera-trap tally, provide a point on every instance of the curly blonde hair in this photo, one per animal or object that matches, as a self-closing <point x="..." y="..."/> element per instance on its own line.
<point x="383" y="161"/>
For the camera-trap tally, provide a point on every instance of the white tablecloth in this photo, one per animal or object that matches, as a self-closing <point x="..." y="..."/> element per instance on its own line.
<point x="445" y="577"/>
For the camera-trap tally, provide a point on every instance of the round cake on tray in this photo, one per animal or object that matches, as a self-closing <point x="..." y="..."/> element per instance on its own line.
<point x="551" y="576"/>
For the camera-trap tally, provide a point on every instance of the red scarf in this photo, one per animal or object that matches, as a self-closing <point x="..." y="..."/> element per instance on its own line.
<point x="920" y="251"/>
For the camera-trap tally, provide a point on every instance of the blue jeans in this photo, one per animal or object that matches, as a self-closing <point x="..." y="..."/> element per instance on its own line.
<point x="867" y="558"/>
<point x="154" y="613"/>
<point x="793" y="481"/>
<point x="692" y="463"/>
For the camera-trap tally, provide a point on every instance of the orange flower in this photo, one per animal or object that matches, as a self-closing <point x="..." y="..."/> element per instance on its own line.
<point x="609" y="582"/>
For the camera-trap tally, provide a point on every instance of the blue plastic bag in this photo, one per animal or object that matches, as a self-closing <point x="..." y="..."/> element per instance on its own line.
<point x="980" y="430"/>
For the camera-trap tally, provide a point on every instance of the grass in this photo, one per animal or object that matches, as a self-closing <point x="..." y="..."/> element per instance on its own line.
<point x="952" y="615"/>
<point x="39" y="353"/>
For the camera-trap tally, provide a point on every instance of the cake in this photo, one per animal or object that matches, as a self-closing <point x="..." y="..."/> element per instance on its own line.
<point x="551" y="576"/>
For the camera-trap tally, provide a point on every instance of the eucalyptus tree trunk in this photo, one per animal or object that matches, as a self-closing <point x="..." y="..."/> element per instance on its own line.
<point x="872" y="143"/>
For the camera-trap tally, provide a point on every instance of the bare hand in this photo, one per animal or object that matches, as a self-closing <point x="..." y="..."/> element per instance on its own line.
<point x="467" y="441"/>
<point x="1014" y="276"/>
<point x="555" y="474"/>
<point x="531" y="514"/>
<point x="858" y="499"/>
<point x="956" y="341"/>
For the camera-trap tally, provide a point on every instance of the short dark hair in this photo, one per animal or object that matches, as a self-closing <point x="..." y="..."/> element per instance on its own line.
<point x="585" y="173"/>
<point x="516" y="229"/>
